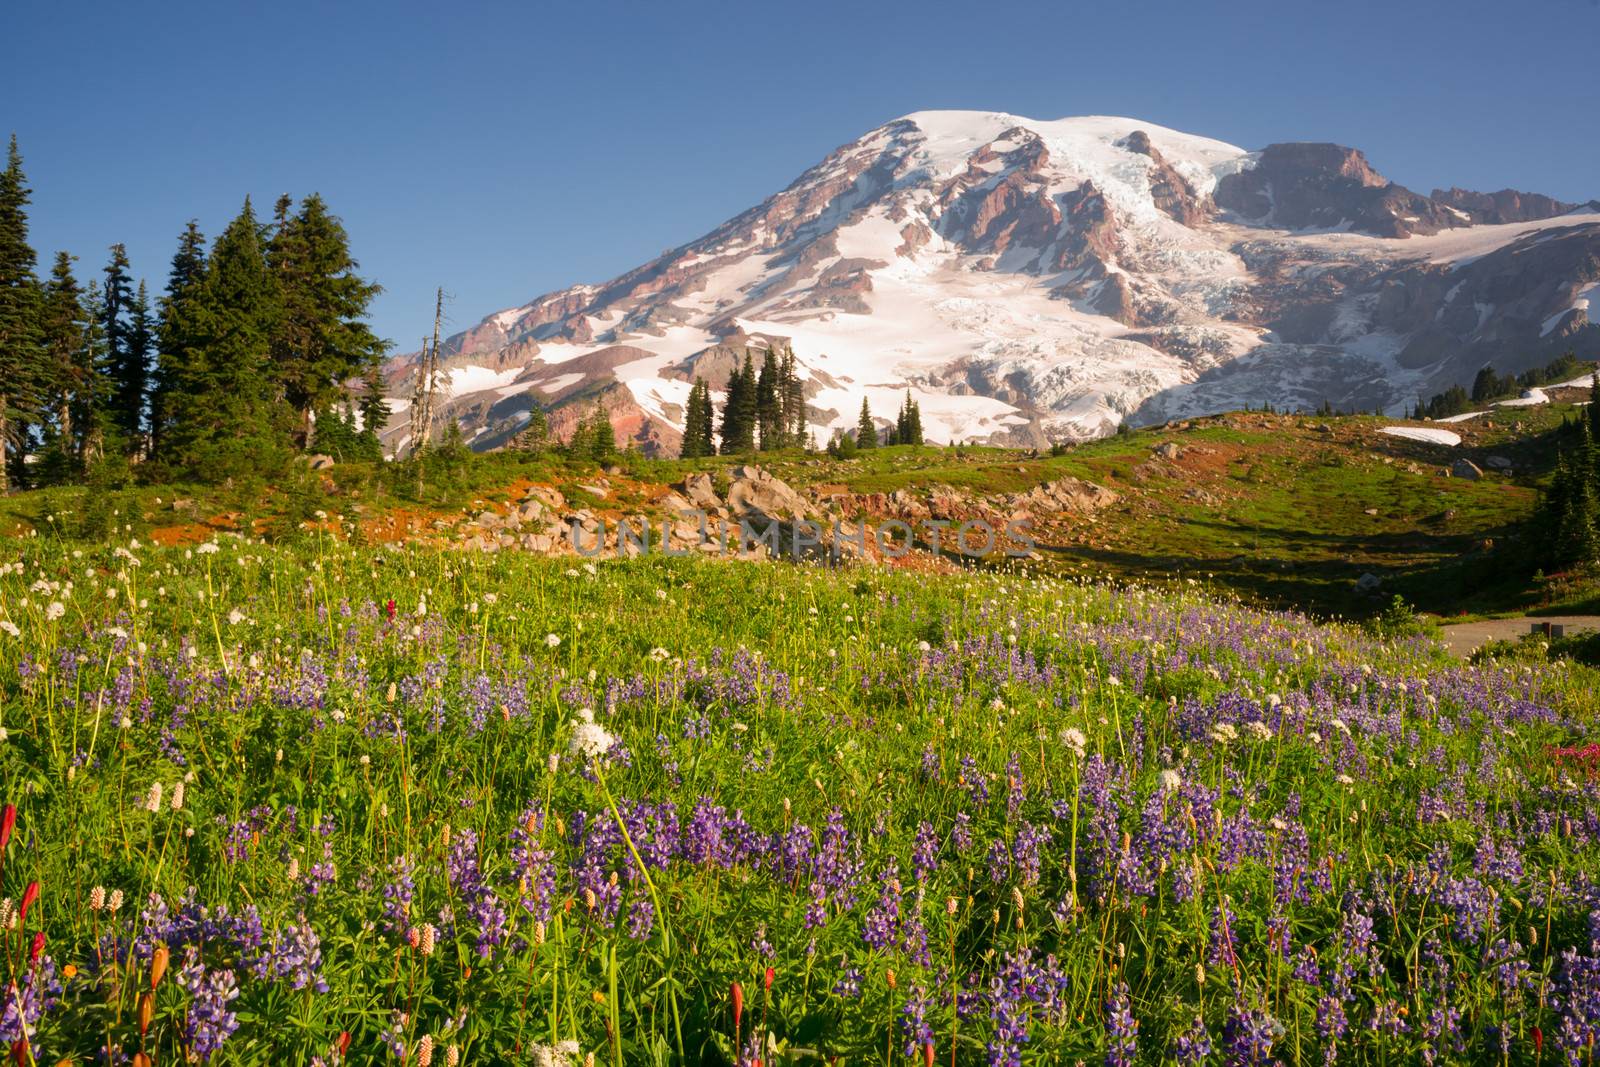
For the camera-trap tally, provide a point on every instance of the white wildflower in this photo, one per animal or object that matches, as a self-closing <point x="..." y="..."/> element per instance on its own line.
<point x="152" y="799"/>
<point x="1073" y="739"/>
<point x="55" y="610"/>
<point x="1224" y="733"/>
<point x="1259" y="730"/>
<point x="589" y="738"/>
<point x="551" y="640"/>
<point x="1170" y="781"/>
<point x="207" y="549"/>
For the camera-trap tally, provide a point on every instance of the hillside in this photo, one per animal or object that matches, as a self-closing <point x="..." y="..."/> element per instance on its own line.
<point x="1286" y="510"/>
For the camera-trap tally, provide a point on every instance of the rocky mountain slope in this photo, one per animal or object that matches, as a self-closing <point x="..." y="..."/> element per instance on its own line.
<point x="1030" y="281"/>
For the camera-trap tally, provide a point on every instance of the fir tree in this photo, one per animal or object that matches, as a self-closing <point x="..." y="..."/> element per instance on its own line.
<point x="320" y="340"/>
<point x="91" y="398"/>
<point x="374" y="410"/>
<point x="20" y="297"/>
<point x="535" y="436"/>
<point x="866" y="429"/>
<point x="63" y="332"/>
<point x="908" y="423"/>
<point x="697" y="419"/>
<point x="792" y="396"/>
<point x="1593" y="412"/>
<point x="769" y="404"/>
<point x="739" y="411"/>
<point x="126" y="365"/>
<point x="177" y="330"/>
<point x="227" y="422"/>
<point x="602" y="438"/>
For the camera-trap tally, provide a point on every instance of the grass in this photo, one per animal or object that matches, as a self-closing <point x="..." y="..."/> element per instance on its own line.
<point x="444" y="807"/>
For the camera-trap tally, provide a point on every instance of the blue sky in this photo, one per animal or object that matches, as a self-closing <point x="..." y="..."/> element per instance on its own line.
<point x="506" y="149"/>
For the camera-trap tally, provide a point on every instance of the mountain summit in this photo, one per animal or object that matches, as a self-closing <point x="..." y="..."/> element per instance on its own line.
<point x="1030" y="281"/>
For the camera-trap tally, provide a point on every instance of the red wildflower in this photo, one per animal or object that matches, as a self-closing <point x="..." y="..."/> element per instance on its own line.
<point x="29" y="895"/>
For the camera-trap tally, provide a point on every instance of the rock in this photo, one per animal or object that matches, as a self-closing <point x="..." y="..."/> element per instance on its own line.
<point x="1368" y="583"/>
<point x="674" y="504"/>
<point x="1465" y="468"/>
<point x="756" y="492"/>
<point x="1498" y="463"/>
<point x="318" y="462"/>
<point x="488" y="519"/>
<point x="1070" y="495"/>
<point x="595" y="491"/>
<point x="551" y="498"/>
<point x="700" y="492"/>
<point x="1370" y="511"/>
<point x="1169" y="450"/>
<point x="1323" y="427"/>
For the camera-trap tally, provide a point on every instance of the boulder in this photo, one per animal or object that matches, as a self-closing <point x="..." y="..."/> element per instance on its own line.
<point x="1498" y="463"/>
<point x="1368" y="583"/>
<point x="551" y="498"/>
<point x="699" y="491"/>
<point x="1465" y="468"/>
<point x="756" y="492"/>
<point x="1168" y="450"/>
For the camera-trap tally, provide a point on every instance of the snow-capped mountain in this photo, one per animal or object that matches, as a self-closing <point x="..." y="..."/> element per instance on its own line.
<point x="1030" y="281"/>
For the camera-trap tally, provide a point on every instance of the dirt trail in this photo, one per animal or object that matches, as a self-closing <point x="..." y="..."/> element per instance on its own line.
<point x="1465" y="638"/>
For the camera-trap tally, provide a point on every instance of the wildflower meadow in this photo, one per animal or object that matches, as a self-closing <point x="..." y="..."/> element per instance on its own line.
<point x="333" y="804"/>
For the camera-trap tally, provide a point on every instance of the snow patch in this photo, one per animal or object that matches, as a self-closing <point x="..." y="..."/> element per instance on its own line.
<point x="1423" y="433"/>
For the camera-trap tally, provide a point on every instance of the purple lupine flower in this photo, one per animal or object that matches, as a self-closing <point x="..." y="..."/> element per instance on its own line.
<point x="210" y="1021"/>
<point x="925" y="852"/>
<point x="1122" y="1029"/>
<point x="1193" y="1046"/>
<point x="1249" y="1034"/>
<point x="914" y="1022"/>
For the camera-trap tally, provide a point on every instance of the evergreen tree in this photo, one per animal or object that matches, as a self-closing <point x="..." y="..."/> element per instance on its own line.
<point x="697" y="419"/>
<point x="63" y="332"/>
<point x="908" y="423"/>
<point x="177" y="330"/>
<point x="535" y="436"/>
<point x="141" y="348"/>
<point x="227" y="422"/>
<point x="374" y="409"/>
<point x="126" y="365"/>
<point x="602" y="438"/>
<point x="20" y="297"/>
<point x="739" y="411"/>
<point x="792" y="398"/>
<point x="866" y="429"/>
<point x="769" y="405"/>
<point x="1593" y="411"/>
<point x="91" y="397"/>
<point x="320" y="340"/>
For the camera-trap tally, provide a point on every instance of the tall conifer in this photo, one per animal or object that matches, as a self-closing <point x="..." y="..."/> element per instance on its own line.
<point x="20" y="297"/>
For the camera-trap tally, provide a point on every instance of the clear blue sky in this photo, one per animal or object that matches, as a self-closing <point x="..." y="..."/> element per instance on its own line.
<point x="507" y="149"/>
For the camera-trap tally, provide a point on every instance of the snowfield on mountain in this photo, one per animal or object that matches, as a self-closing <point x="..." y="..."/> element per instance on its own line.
<point x="1031" y="281"/>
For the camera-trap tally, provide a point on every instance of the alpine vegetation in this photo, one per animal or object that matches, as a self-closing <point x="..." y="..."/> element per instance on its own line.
<point x="339" y="805"/>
